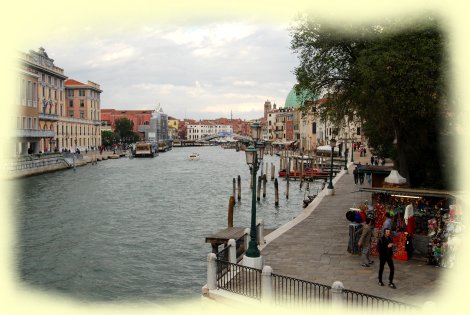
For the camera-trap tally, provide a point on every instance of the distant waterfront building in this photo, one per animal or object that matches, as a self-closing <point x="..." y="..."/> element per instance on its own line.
<point x="138" y="117"/>
<point x="79" y="125"/>
<point x="200" y="130"/>
<point x="173" y="125"/>
<point x="157" y="128"/>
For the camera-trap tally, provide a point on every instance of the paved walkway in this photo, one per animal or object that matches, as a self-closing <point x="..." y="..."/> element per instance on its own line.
<point x="316" y="250"/>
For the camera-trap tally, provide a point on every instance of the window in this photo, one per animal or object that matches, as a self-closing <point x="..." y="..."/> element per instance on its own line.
<point x="82" y="103"/>
<point x="43" y="77"/>
<point x="61" y="96"/>
<point x="35" y="94"/>
<point x="82" y="115"/>
<point x="23" y="92"/>
<point x="82" y="93"/>
<point x="18" y="124"/>
<point x="314" y="127"/>
<point x="70" y="113"/>
<point x="71" y="103"/>
<point x="30" y="93"/>
<point x="61" y="110"/>
<point x="50" y="79"/>
<point x="35" y="123"/>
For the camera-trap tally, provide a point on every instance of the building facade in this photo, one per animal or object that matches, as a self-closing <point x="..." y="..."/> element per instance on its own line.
<point x="79" y="125"/>
<point x="138" y="117"/>
<point x="43" y="92"/>
<point x="200" y="130"/>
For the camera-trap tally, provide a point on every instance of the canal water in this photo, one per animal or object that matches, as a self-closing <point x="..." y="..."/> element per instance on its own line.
<point x="134" y="229"/>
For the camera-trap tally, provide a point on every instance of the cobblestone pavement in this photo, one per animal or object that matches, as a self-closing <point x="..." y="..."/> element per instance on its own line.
<point x="316" y="250"/>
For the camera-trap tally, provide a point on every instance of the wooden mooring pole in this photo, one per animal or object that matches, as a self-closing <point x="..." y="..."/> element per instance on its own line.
<point x="234" y="188"/>
<point x="276" y="193"/>
<point x="264" y="186"/>
<point x="239" y="180"/>
<point x="231" y="204"/>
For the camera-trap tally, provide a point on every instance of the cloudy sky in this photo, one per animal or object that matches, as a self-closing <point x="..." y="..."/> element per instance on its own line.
<point x="201" y="70"/>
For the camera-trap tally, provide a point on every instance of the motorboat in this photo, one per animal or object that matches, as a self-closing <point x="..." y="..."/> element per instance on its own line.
<point x="193" y="156"/>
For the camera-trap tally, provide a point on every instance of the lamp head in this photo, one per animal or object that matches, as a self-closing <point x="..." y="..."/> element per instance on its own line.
<point x="333" y="142"/>
<point x="255" y="131"/>
<point x="250" y="153"/>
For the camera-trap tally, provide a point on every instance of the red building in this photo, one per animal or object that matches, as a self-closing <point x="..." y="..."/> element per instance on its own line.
<point x="138" y="117"/>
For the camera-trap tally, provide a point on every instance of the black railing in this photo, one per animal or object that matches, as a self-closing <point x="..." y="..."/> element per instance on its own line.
<point x="372" y="302"/>
<point x="288" y="290"/>
<point x="239" y="279"/>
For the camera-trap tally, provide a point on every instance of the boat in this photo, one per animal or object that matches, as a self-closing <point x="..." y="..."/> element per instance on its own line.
<point x="194" y="156"/>
<point x="308" y="172"/>
<point x="144" y="150"/>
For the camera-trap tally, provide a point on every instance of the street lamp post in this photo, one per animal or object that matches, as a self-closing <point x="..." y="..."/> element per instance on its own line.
<point x="330" y="184"/>
<point x="254" y="156"/>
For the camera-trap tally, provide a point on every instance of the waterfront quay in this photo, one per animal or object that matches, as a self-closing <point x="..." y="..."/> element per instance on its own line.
<point x="315" y="249"/>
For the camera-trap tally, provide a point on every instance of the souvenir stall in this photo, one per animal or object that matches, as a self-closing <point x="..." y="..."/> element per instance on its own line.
<point x="425" y="223"/>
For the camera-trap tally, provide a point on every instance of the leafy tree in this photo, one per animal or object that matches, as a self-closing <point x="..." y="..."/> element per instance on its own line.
<point x="109" y="138"/>
<point x="392" y="78"/>
<point x="124" y="128"/>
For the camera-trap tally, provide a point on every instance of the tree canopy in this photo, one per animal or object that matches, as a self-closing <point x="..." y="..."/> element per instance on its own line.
<point x="393" y="79"/>
<point x="124" y="129"/>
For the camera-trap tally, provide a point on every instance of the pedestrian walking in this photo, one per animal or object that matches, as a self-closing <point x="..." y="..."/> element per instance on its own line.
<point x="356" y="175"/>
<point x="385" y="255"/>
<point x="364" y="243"/>
<point x="372" y="160"/>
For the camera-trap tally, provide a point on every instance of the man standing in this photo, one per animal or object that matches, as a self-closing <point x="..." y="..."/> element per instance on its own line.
<point x="364" y="242"/>
<point x="385" y="254"/>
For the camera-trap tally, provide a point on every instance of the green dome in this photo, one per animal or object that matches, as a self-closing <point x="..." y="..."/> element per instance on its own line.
<point x="293" y="102"/>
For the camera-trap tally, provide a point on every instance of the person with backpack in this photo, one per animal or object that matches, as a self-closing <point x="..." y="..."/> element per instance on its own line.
<point x="364" y="243"/>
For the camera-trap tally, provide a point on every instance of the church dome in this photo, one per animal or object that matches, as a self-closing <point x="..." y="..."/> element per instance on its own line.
<point x="293" y="102"/>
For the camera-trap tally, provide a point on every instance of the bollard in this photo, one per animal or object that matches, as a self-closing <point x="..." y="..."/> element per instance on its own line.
<point x="247" y="238"/>
<point x="211" y="271"/>
<point x="232" y="251"/>
<point x="239" y="188"/>
<point x="264" y="186"/>
<point x="258" y="189"/>
<point x="231" y="204"/>
<point x="266" y="285"/>
<point x="276" y="193"/>
<point x="337" y="293"/>
<point x="234" y="188"/>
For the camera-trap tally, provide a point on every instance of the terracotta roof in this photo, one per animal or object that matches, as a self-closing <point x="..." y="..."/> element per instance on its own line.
<point x="73" y="82"/>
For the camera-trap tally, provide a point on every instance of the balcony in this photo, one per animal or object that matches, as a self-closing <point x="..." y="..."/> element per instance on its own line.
<point x="34" y="133"/>
<point x="49" y="117"/>
<point x="97" y="122"/>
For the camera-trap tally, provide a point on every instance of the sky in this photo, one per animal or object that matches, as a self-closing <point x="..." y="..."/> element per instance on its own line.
<point x="202" y="70"/>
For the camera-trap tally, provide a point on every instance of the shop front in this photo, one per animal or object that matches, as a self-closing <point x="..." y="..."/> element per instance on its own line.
<point x="426" y="223"/>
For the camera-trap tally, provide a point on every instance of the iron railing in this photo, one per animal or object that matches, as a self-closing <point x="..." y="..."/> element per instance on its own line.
<point x="372" y="302"/>
<point x="239" y="279"/>
<point x="287" y="290"/>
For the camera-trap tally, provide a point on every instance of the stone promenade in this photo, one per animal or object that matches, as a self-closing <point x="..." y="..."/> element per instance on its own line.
<point x="315" y="249"/>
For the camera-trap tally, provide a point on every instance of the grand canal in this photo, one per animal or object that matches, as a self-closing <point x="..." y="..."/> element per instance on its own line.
<point x="134" y="229"/>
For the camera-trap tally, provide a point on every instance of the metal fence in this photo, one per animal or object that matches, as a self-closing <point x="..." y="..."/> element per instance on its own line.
<point x="287" y="290"/>
<point x="239" y="279"/>
<point x="371" y="302"/>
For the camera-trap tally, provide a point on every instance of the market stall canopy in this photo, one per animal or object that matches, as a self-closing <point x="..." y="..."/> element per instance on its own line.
<point x="395" y="178"/>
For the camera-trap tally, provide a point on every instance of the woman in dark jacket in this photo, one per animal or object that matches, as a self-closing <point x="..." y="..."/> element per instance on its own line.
<point x="386" y="254"/>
